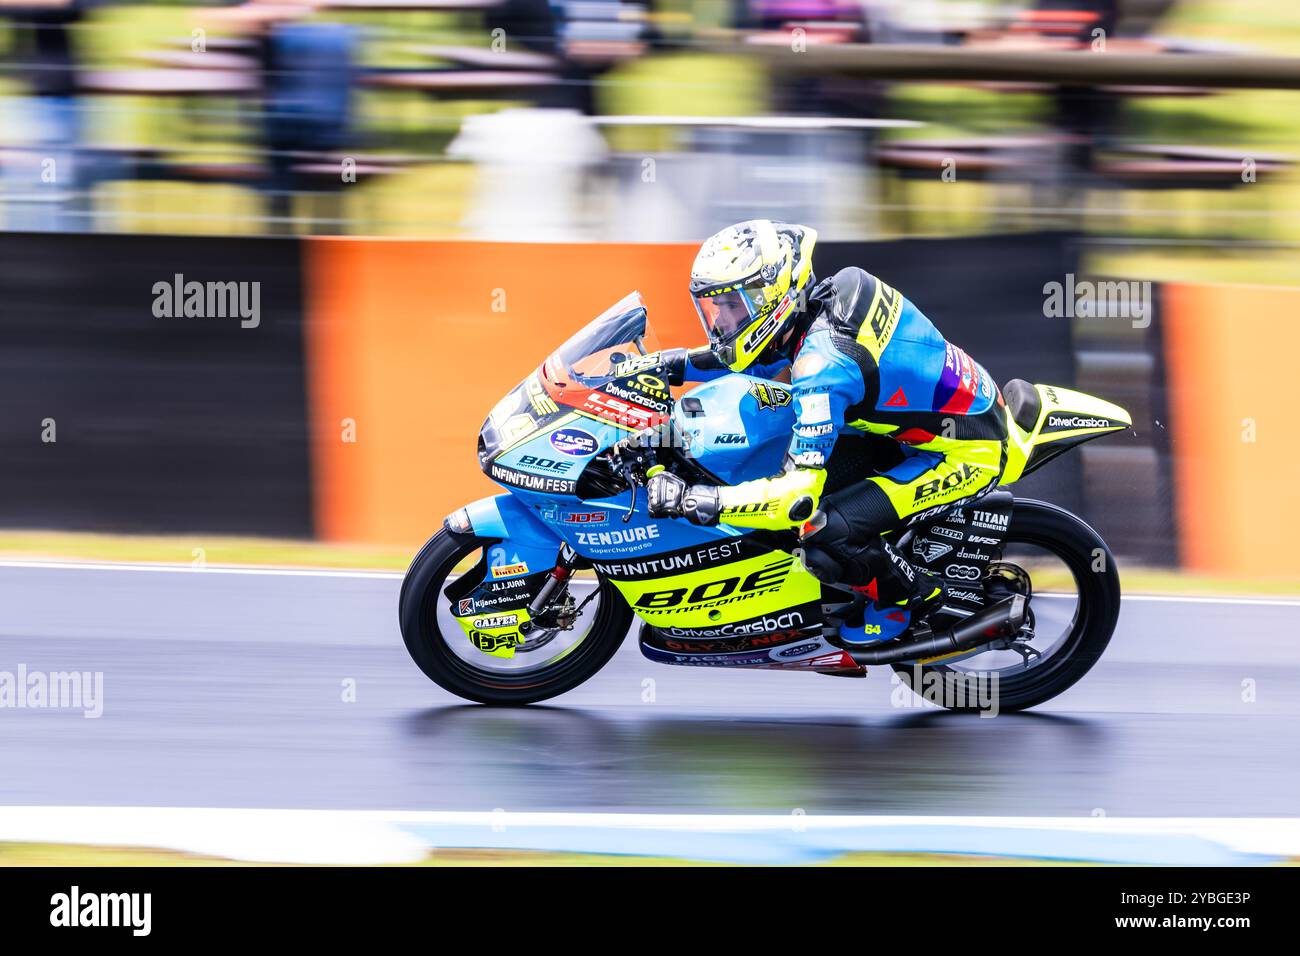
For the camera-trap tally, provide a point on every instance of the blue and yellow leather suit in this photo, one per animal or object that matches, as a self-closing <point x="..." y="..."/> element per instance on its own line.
<point x="867" y="362"/>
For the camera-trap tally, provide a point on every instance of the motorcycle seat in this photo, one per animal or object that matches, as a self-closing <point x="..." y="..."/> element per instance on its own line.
<point x="1023" y="400"/>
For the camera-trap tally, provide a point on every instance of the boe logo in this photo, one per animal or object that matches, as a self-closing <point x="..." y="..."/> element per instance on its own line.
<point x="768" y="577"/>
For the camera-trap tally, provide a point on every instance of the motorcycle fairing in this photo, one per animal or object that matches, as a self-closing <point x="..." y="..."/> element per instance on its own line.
<point x="1045" y="420"/>
<point x="736" y="427"/>
<point x="741" y="591"/>
<point x="781" y="650"/>
<point x="490" y="601"/>
<point x="551" y="459"/>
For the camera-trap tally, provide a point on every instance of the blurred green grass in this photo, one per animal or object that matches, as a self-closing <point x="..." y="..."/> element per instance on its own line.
<point x="48" y="854"/>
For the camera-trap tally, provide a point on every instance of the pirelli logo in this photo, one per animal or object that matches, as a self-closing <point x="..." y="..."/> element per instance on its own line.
<point x="881" y="319"/>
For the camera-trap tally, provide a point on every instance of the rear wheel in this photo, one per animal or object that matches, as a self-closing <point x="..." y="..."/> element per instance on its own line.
<point x="1073" y="610"/>
<point x="547" y="664"/>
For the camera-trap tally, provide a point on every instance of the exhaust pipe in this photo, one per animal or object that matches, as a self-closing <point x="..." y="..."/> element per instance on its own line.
<point x="999" y="620"/>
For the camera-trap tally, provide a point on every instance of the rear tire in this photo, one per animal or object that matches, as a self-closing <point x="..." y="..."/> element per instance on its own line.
<point x="1072" y="540"/>
<point x="417" y="611"/>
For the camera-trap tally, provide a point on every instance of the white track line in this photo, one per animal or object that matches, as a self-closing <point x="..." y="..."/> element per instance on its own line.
<point x="292" y="572"/>
<point x="369" y="837"/>
<point x="270" y="570"/>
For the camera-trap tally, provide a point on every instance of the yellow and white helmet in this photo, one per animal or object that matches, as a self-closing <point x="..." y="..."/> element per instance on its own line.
<point x="747" y="284"/>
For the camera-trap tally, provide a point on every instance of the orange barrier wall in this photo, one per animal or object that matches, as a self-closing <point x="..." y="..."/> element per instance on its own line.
<point x="402" y="339"/>
<point x="1231" y="354"/>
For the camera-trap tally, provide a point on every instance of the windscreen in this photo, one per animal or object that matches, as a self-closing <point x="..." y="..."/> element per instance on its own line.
<point x="593" y="354"/>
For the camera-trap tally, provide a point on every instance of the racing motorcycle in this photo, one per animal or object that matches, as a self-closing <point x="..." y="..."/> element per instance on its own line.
<point x="522" y="596"/>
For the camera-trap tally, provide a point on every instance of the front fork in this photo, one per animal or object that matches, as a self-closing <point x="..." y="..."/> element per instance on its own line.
<point x="559" y="578"/>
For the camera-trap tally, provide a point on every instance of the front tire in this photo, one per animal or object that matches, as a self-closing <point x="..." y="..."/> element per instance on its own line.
<point x="1055" y="530"/>
<point x="427" y="638"/>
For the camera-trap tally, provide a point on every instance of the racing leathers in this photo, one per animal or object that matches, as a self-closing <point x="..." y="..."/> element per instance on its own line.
<point x="866" y="365"/>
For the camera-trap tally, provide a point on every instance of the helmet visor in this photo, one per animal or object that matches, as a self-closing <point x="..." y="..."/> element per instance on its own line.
<point x="725" y="314"/>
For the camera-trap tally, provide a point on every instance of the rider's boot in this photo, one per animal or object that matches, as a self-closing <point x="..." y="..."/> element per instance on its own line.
<point x="892" y="584"/>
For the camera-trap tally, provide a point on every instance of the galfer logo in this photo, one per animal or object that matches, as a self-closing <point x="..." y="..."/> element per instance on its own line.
<point x="1076" y="421"/>
<point x="962" y="572"/>
<point x="501" y="620"/>
<point x="574" y="441"/>
<point x="946" y="533"/>
<point x="928" y="550"/>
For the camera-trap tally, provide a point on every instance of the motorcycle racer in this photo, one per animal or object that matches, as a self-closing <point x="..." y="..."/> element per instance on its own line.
<point x="868" y="370"/>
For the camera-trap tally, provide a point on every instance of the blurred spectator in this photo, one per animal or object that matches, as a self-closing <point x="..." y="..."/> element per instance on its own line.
<point x="308" y="74"/>
<point x="43" y="129"/>
<point x="595" y="36"/>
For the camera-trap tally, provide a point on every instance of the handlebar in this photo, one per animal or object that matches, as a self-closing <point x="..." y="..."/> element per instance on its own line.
<point x="636" y="456"/>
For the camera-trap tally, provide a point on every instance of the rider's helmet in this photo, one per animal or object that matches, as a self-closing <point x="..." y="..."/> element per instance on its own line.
<point x="748" y="284"/>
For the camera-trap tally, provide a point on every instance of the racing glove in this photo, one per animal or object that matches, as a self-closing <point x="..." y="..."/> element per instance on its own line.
<point x="670" y="497"/>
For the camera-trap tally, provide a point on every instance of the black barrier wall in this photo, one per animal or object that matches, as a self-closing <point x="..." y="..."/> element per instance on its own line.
<point x="119" y="414"/>
<point x="115" y="418"/>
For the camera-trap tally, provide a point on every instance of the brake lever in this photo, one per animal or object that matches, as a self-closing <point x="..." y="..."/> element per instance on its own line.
<point x="630" y="478"/>
<point x="626" y="471"/>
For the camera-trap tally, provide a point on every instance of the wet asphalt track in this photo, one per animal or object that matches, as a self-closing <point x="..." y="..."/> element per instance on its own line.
<point x="226" y="690"/>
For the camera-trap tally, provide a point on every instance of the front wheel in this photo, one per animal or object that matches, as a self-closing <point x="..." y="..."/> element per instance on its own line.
<point x="548" y="664"/>
<point x="1073" y="610"/>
